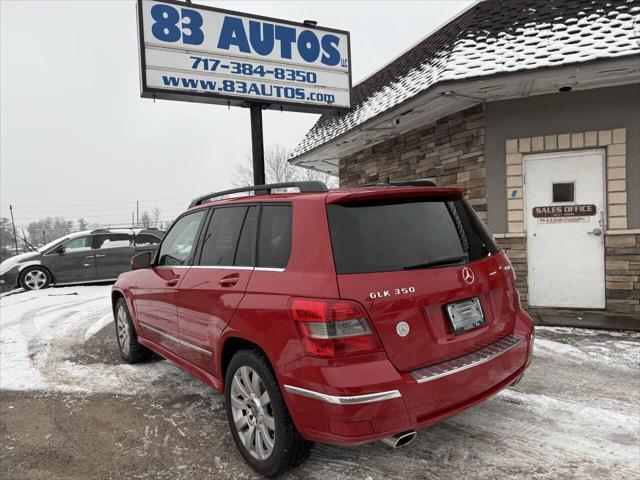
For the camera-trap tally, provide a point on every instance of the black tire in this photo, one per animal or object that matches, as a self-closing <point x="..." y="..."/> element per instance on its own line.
<point x="29" y="274"/>
<point x="290" y="449"/>
<point x="132" y="351"/>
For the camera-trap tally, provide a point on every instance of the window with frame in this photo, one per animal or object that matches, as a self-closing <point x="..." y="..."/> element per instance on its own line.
<point x="146" y="240"/>
<point x="79" y="244"/>
<point x="274" y="238"/>
<point x="563" y="192"/>
<point x="221" y="237"/>
<point x="246" y="251"/>
<point x="178" y="244"/>
<point x="113" y="240"/>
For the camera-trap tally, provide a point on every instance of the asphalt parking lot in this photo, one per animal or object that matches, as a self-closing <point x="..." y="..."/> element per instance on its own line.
<point x="69" y="408"/>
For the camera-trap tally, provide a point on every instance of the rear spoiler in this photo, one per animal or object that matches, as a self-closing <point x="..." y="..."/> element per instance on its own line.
<point x="364" y="194"/>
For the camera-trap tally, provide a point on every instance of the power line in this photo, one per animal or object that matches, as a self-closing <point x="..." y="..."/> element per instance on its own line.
<point x="103" y="203"/>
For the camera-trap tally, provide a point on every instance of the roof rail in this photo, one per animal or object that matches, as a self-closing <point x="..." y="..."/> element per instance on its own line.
<point x="422" y="182"/>
<point x="304" y="187"/>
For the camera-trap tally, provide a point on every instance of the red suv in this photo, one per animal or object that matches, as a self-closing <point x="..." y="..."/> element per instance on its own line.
<point x="343" y="316"/>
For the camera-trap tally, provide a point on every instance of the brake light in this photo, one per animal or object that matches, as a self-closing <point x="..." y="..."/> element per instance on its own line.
<point x="333" y="328"/>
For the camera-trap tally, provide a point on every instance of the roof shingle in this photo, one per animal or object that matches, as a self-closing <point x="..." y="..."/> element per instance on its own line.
<point x="493" y="37"/>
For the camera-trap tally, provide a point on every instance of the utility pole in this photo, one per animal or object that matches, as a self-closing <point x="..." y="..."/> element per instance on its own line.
<point x="15" y="236"/>
<point x="44" y="237"/>
<point x="257" y="144"/>
<point x="132" y="219"/>
<point x="137" y="213"/>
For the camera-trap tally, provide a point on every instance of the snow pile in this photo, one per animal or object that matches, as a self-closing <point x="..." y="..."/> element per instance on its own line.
<point x="39" y="331"/>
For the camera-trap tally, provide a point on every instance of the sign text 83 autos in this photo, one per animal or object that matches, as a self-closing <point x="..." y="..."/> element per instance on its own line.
<point x="192" y="49"/>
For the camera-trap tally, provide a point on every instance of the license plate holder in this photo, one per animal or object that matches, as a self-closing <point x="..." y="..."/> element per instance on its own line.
<point x="465" y="315"/>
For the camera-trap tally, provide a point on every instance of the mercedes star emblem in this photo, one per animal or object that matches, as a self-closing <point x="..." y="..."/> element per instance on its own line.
<point x="467" y="275"/>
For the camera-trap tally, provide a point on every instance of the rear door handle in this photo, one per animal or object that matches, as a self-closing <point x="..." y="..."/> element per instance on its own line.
<point x="173" y="282"/>
<point x="90" y="256"/>
<point x="229" y="280"/>
<point x="100" y="256"/>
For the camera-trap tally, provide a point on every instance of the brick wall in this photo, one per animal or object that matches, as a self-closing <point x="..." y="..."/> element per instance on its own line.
<point x="623" y="273"/>
<point x="451" y="150"/>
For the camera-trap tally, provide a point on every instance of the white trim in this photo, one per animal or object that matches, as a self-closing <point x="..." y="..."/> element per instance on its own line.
<point x="219" y="267"/>
<point x="509" y="235"/>
<point x="222" y="267"/>
<point x="351" y="400"/>
<point x="176" y="340"/>
<point x="634" y="231"/>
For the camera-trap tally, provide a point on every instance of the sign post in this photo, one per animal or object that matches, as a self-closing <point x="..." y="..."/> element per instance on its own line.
<point x="203" y="54"/>
<point x="257" y="144"/>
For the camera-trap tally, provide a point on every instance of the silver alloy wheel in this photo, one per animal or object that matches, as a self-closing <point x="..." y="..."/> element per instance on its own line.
<point x="252" y="412"/>
<point x="122" y="326"/>
<point x="35" y="279"/>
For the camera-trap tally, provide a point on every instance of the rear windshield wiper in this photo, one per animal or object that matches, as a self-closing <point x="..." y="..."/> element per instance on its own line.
<point x="451" y="259"/>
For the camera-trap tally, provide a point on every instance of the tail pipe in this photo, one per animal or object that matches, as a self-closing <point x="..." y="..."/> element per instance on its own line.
<point x="400" y="439"/>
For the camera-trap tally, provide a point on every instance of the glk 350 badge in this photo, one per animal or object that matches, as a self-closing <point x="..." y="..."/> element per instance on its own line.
<point x="392" y="292"/>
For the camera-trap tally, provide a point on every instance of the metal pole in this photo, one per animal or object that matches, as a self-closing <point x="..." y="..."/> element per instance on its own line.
<point x="257" y="144"/>
<point x="15" y="236"/>
<point x="132" y="220"/>
<point x="137" y="213"/>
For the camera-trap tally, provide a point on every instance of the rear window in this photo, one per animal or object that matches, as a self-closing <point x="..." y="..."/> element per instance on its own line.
<point x="391" y="236"/>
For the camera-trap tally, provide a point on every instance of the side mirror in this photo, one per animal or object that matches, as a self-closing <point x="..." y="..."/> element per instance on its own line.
<point x="141" y="261"/>
<point x="60" y="250"/>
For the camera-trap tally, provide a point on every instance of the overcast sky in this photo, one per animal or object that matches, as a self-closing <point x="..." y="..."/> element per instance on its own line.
<point x="76" y="139"/>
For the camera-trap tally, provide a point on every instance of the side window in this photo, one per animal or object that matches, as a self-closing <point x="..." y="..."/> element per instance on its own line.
<point x="274" y="241"/>
<point x="146" y="240"/>
<point x="246" y="251"/>
<point x="220" y="239"/>
<point x="113" y="240"/>
<point x="79" y="244"/>
<point x="180" y="241"/>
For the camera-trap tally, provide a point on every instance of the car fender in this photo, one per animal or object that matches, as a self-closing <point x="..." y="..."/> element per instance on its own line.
<point x="31" y="263"/>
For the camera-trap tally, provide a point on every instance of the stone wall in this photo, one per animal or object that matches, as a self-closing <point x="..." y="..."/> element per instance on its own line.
<point x="623" y="272"/>
<point x="450" y="150"/>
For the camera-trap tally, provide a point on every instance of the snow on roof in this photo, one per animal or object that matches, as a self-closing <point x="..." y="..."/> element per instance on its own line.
<point x="492" y="37"/>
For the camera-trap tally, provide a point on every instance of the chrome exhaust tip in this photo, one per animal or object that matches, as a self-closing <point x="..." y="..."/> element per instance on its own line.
<point x="400" y="439"/>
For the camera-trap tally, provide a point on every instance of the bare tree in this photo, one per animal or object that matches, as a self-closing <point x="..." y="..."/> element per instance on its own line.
<point x="83" y="224"/>
<point x="155" y="214"/>
<point x="145" y="219"/>
<point x="278" y="170"/>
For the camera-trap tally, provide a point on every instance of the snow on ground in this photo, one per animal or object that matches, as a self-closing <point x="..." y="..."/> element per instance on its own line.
<point x="39" y="330"/>
<point x="576" y="414"/>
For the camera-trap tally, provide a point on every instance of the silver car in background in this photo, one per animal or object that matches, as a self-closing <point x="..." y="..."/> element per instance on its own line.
<point x="81" y="257"/>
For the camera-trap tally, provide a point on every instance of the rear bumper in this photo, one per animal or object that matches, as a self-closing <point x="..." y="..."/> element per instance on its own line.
<point x="383" y="401"/>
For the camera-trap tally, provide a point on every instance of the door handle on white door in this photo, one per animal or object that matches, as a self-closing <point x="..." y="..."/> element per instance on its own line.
<point x="596" y="231"/>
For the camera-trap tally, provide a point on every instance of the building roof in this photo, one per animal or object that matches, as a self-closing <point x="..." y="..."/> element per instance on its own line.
<point x="492" y="37"/>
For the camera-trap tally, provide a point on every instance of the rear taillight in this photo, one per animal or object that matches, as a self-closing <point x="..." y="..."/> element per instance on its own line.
<point x="333" y="328"/>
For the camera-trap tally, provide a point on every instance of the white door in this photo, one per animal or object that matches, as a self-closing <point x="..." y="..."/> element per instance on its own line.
<point x="564" y="198"/>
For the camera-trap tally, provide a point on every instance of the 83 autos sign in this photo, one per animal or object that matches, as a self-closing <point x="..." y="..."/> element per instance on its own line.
<point x="204" y="54"/>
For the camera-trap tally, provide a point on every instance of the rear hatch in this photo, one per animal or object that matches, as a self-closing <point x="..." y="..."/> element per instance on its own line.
<point x="429" y="262"/>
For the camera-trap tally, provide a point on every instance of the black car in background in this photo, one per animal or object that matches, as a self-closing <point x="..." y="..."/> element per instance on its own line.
<point x="81" y="257"/>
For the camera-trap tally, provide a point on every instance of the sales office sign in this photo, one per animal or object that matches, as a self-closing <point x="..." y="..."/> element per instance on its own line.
<point x="202" y="54"/>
